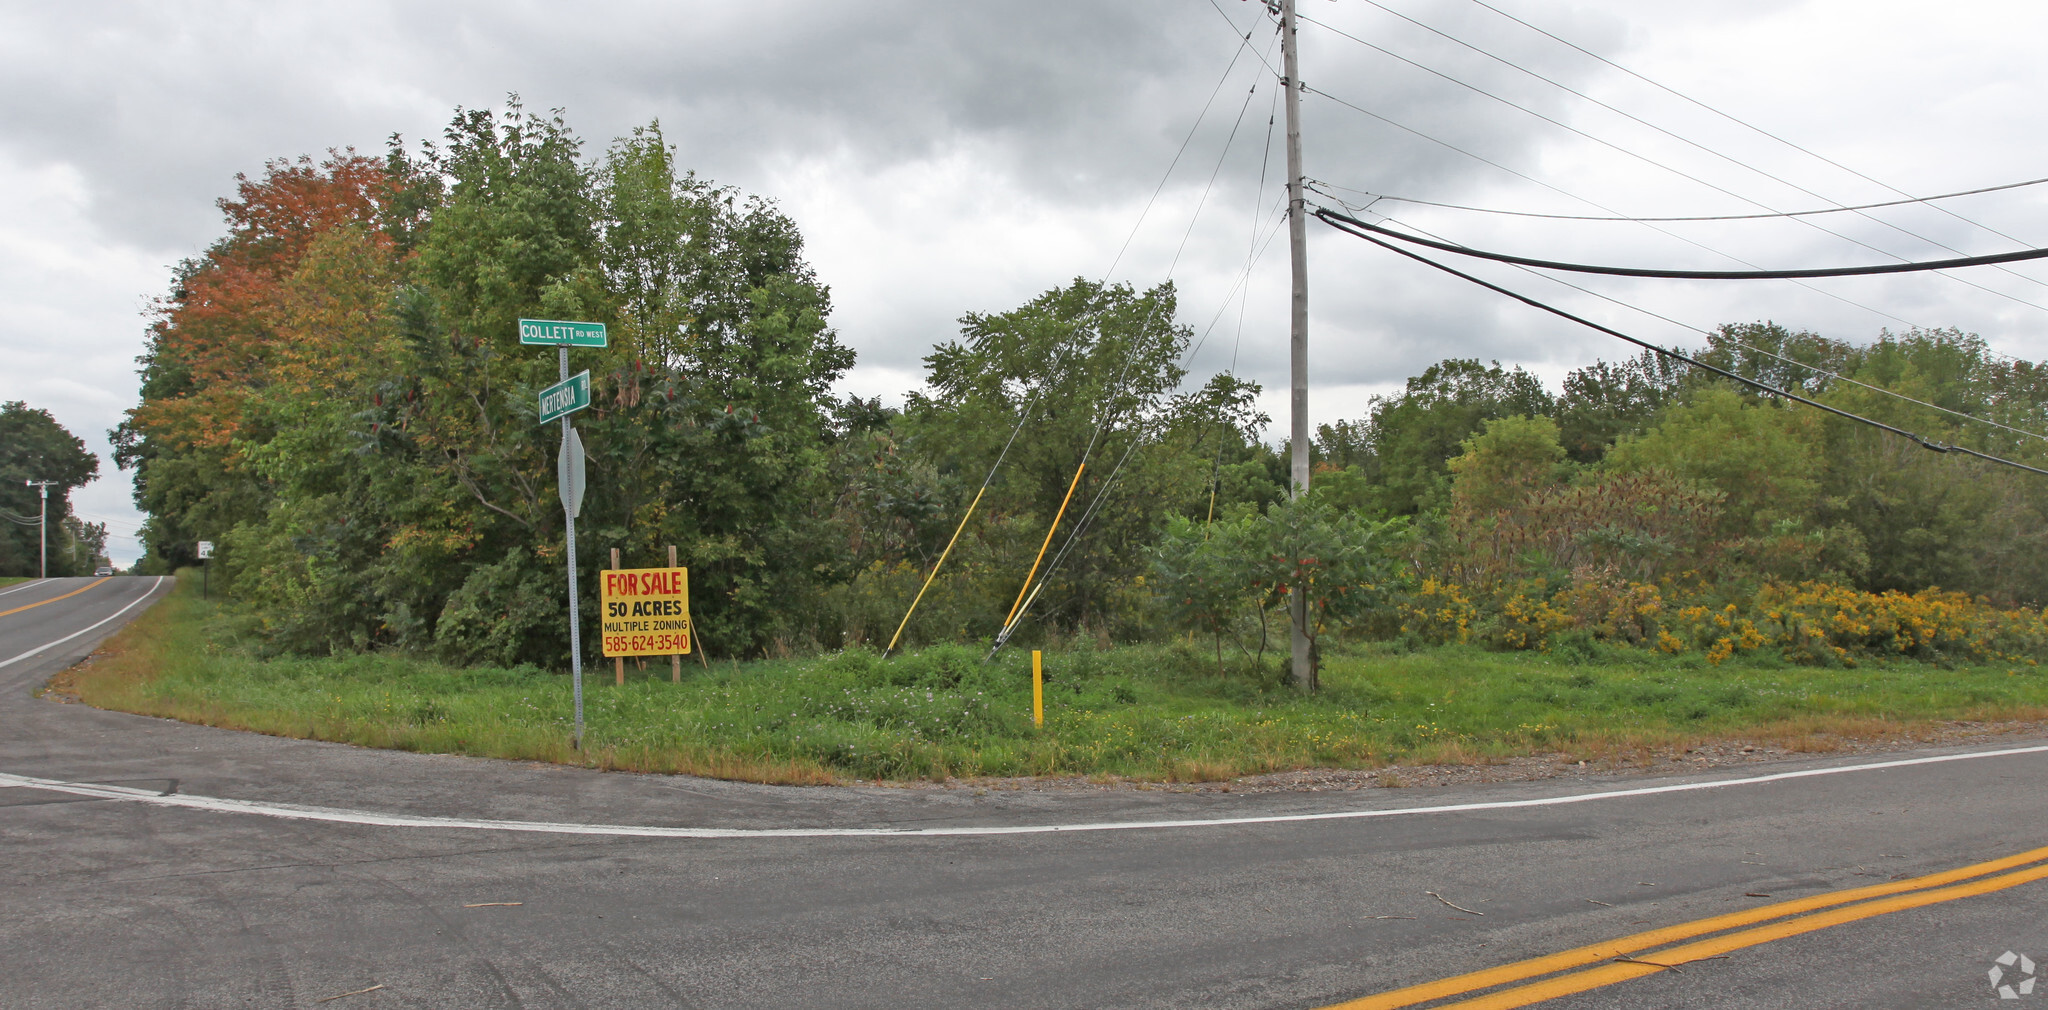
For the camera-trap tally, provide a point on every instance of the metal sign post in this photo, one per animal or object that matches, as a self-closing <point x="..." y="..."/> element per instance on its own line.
<point x="558" y="402"/>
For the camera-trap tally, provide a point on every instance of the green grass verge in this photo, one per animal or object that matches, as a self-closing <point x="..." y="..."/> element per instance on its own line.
<point x="8" y="580"/>
<point x="1145" y="712"/>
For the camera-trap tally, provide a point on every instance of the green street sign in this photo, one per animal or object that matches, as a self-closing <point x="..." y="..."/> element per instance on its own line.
<point x="560" y="333"/>
<point x="565" y="397"/>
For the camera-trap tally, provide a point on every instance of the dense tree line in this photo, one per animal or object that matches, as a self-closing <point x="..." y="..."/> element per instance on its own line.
<point x="34" y="447"/>
<point x="335" y="393"/>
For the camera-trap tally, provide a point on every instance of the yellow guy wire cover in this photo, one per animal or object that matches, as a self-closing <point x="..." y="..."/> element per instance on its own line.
<point x="893" y="639"/>
<point x="1061" y="514"/>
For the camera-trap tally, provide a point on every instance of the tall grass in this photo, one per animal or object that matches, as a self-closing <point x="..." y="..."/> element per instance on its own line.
<point x="1146" y="712"/>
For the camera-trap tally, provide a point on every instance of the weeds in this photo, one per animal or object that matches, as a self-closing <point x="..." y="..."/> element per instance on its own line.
<point x="1160" y="713"/>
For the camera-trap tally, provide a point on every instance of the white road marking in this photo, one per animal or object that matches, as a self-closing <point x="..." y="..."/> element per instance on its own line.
<point x="47" y="646"/>
<point x="30" y="584"/>
<point x="291" y="811"/>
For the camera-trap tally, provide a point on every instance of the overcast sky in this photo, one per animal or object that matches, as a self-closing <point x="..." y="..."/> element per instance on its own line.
<point x="942" y="158"/>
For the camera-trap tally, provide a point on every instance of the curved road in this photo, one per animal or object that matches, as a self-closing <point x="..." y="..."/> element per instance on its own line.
<point x="155" y="864"/>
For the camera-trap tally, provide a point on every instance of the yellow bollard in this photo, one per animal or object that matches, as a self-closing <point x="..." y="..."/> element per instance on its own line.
<point x="1037" y="689"/>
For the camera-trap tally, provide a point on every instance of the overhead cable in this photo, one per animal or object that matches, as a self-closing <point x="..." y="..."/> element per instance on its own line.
<point x="1873" y="310"/>
<point x="1726" y="339"/>
<point x="1108" y="417"/>
<point x="1024" y="415"/>
<point x="1560" y="124"/>
<point x="1764" y="387"/>
<point x="1243" y="44"/>
<point x="1624" y="219"/>
<point x="1333" y="217"/>
<point x="1701" y="147"/>
<point x="1739" y="122"/>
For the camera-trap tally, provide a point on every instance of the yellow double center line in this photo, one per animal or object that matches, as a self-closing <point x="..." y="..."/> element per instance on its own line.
<point x="1826" y="910"/>
<point x="53" y="599"/>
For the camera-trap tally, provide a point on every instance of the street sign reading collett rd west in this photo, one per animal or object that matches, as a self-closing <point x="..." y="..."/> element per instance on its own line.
<point x="561" y="333"/>
<point x="565" y="397"/>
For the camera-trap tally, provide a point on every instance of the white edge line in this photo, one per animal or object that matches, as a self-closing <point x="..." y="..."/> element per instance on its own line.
<point x="30" y="584"/>
<point x="38" y="650"/>
<point x="291" y="811"/>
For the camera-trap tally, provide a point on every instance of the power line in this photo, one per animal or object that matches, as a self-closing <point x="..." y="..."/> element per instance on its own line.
<point x="1739" y="122"/>
<point x="1255" y="254"/>
<point x="1378" y="197"/>
<point x="1251" y="250"/>
<point x="1080" y="527"/>
<point x="1243" y="44"/>
<point x="1101" y="496"/>
<point x="1567" y="43"/>
<point x="1924" y="443"/>
<point x="1722" y="275"/>
<point x="1680" y="173"/>
<point x="1713" y="335"/>
<point x="1596" y="204"/>
<point x="1701" y="147"/>
<point x="1108" y="416"/>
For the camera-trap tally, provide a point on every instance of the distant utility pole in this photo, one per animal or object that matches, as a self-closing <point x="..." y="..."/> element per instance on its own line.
<point x="1297" y="331"/>
<point x="43" y="522"/>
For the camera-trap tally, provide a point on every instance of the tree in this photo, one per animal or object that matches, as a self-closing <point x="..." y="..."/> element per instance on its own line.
<point x="1602" y="402"/>
<point x="213" y="341"/>
<point x="1415" y="433"/>
<point x="1345" y="565"/>
<point x="356" y="425"/>
<point x="1090" y="369"/>
<point x="1936" y="519"/>
<point x="1767" y="459"/>
<point x="33" y="446"/>
<point x="1509" y="460"/>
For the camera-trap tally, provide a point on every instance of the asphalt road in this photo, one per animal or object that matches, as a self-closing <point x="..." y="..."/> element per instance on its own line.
<point x="112" y="896"/>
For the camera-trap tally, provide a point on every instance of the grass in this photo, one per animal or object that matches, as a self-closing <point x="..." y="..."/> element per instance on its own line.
<point x="1144" y="712"/>
<point x="8" y="580"/>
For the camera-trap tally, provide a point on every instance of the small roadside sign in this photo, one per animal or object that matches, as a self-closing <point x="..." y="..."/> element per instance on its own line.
<point x="569" y="474"/>
<point x="646" y="611"/>
<point x="561" y="333"/>
<point x="205" y="549"/>
<point x="565" y="397"/>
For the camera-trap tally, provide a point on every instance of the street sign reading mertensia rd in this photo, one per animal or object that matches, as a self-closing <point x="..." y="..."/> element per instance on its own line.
<point x="561" y="333"/>
<point x="565" y="397"/>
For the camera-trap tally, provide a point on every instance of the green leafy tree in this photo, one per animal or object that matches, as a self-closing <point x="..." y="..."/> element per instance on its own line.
<point x="1415" y="433"/>
<point x="33" y="446"/>
<point x="1346" y="566"/>
<point x="1931" y="519"/>
<point x="1766" y="459"/>
<point x="407" y="494"/>
<point x="1508" y="461"/>
<point x="1092" y="371"/>
<point x="1602" y="402"/>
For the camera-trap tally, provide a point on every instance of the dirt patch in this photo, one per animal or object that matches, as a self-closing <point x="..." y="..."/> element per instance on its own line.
<point x="63" y="688"/>
<point x="1710" y="754"/>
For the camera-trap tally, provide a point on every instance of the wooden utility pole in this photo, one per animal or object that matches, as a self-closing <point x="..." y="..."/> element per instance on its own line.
<point x="43" y="524"/>
<point x="675" y="660"/>
<point x="1297" y="330"/>
<point x="619" y="661"/>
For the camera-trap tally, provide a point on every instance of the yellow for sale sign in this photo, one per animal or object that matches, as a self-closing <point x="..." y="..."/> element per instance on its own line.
<point x="646" y="611"/>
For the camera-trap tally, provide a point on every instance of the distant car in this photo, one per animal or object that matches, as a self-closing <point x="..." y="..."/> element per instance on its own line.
<point x="103" y="570"/>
